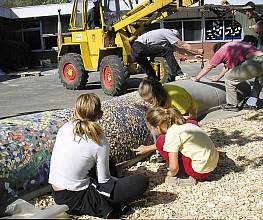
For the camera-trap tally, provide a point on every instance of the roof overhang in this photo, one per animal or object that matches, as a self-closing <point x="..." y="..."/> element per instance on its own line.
<point x="42" y="10"/>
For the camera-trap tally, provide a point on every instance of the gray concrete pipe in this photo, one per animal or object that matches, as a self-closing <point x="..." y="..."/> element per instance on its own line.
<point x="209" y="95"/>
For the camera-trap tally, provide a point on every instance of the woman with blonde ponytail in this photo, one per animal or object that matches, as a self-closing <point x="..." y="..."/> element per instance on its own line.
<point x="185" y="146"/>
<point x="87" y="113"/>
<point x="80" y="147"/>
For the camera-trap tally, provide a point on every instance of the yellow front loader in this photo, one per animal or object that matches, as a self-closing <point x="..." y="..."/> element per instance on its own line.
<point x="108" y="48"/>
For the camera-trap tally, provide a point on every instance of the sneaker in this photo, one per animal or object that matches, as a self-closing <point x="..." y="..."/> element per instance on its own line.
<point x="175" y="181"/>
<point x="182" y="76"/>
<point x="250" y="107"/>
<point x="229" y="107"/>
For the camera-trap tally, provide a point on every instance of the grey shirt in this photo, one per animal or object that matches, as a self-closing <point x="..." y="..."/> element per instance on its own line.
<point x="72" y="160"/>
<point x="163" y="37"/>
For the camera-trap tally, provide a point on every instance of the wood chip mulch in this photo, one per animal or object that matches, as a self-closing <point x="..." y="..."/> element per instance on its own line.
<point x="234" y="191"/>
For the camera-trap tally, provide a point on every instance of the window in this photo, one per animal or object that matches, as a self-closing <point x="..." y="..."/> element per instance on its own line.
<point x="214" y="30"/>
<point x="30" y="24"/>
<point x="153" y="26"/>
<point x="192" y="30"/>
<point x="50" y="42"/>
<point x="174" y="25"/>
<point x="233" y="30"/>
<point x="27" y="31"/>
<point x="33" y="39"/>
<point x="79" y="14"/>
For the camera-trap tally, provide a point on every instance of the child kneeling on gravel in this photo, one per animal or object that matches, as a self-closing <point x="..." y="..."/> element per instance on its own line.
<point x="185" y="146"/>
<point x="168" y="96"/>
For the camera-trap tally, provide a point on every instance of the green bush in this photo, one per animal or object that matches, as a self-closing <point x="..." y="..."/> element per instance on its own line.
<point x="14" y="55"/>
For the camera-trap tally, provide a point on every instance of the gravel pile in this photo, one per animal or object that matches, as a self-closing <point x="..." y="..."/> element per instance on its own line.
<point x="234" y="191"/>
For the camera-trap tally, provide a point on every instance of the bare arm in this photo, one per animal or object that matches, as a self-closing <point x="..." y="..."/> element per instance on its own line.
<point x="188" y="48"/>
<point x="144" y="149"/>
<point x="219" y="76"/>
<point x="173" y="164"/>
<point x="207" y="68"/>
<point x="191" y="114"/>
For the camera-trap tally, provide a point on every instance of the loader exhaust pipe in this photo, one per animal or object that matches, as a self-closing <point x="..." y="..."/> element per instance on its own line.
<point x="60" y="40"/>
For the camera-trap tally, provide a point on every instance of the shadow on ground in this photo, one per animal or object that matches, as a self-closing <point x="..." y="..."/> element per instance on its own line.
<point x="4" y="78"/>
<point x="222" y="139"/>
<point x="131" y="85"/>
<point x="28" y="113"/>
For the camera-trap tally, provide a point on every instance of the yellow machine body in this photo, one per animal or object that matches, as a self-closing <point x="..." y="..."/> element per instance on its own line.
<point x="111" y="39"/>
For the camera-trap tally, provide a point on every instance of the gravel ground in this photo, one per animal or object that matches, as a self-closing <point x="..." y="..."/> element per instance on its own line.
<point x="234" y="191"/>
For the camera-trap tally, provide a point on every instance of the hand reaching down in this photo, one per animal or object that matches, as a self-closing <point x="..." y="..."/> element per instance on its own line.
<point x="144" y="149"/>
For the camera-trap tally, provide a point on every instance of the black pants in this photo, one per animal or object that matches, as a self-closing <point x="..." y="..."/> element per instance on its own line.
<point x="90" y="202"/>
<point x="140" y="52"/>
<point x="127" y="189"/>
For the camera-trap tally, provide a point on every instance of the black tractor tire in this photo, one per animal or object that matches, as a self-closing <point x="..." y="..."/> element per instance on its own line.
<point x="71" y="71"/>
<point x="113" y="75"/>
<point x="166" y="72"/>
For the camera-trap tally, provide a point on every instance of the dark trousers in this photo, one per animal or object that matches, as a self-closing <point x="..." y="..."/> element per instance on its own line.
<point x="140" y="52"/>
<point x="256" y="89"/>
<point x="127" y="189"/>
<point x="90" y="202"/>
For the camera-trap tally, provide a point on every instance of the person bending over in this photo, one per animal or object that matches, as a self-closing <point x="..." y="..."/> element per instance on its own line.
<point x="242" y="61"/>
<point x="187" y="149"/>
<point x="81" y="145"/>
<point x="255" y="93"/>
<point x="160" y="43"/>
<point x="248" y="19"/>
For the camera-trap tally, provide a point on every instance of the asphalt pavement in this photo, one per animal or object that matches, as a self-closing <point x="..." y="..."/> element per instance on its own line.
<point x="30" y="94"/>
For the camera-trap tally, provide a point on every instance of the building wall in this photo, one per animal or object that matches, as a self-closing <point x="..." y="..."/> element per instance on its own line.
<point x="41" y="32"/>
<point x="208" y="51"/>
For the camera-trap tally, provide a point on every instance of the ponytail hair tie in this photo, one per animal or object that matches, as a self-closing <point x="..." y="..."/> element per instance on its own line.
<point x="166" y="111"/>
<point x="78" y="120"/>
<point x="86" y="120"/>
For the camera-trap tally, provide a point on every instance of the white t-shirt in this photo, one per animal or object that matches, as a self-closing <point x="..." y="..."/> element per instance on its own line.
<point x="163" y="37"/>
<point x="193" y="143"/>
<point x="71" y="160"/>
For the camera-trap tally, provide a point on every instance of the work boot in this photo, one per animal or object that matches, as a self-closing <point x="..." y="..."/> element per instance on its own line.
<point x="229" y="107"/>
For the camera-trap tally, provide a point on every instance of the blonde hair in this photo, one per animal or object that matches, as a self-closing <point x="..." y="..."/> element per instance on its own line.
<point x="87" y="112"/>
<point x="159" y="116"/>
<point x="152" y="87"/>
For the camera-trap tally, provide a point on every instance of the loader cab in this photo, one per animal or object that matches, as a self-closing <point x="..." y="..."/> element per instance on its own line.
<point x="105" y="12"/>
